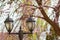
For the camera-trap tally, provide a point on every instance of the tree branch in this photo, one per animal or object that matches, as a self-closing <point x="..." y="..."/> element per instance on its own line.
<point x="37" y="6"/>
<point x="54" y="25"/>
<point x="33" y="16"/>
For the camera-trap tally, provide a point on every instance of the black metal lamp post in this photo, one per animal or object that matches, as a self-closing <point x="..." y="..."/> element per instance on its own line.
<point x="9" y="26"/>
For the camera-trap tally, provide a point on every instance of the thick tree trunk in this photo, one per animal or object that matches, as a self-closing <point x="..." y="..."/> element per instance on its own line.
<point x="54" y="25"/>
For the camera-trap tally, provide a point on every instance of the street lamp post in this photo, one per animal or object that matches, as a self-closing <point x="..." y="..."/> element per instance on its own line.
<point x="9" y="26"/>
<point x="30" y="24"/>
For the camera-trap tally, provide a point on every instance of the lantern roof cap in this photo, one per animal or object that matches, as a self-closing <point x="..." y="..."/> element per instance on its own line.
<point x="30" y="19"/>
<point x="8" y="19"/>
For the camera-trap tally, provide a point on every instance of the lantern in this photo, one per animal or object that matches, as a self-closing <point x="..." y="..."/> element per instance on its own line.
<point x="30" y="24"/>
<point x="9" y="24"/>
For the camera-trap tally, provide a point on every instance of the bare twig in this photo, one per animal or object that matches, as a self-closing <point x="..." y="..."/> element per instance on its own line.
<point x="46" y="1"/>
<point x="33" y="16"/>
<point x="37" y="6"/>
<point x="38" y="16"/>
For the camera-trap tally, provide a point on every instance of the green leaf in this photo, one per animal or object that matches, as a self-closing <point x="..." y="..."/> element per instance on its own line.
<point x="34" y="36"/>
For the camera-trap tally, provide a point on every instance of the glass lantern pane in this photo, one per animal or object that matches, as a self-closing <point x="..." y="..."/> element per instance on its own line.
<point x="33" y="24"/>
<point x="9" y="25"/>
<point x="29" y="24"/>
